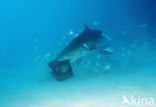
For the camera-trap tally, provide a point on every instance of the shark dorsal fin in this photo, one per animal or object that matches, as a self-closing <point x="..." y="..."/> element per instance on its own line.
<point x="86" y="27"/>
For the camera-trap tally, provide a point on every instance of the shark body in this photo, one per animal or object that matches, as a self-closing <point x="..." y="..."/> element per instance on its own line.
<point x="82" y="44"/>
<point x="86" y="41"/>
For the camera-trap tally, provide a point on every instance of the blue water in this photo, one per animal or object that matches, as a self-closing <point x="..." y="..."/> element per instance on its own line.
<point x="33" y="32"/>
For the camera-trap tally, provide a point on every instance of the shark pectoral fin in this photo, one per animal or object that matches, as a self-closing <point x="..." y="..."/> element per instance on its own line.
<point x="99" y="47"/>
<point x="86" y="46"/>
<point x="92" y="46"/>
<point x="89" y="48"/>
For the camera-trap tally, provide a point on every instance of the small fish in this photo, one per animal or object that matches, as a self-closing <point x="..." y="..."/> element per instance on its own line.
<point x="71" y="33"/>
<point x="143" y="25"/>
<point x="95" y="23"/>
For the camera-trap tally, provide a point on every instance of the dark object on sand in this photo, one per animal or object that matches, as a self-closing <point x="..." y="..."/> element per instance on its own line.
<point x="61" y="69"/>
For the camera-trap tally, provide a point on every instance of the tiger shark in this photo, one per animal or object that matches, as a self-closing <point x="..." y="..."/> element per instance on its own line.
<point x="85" y="42"/>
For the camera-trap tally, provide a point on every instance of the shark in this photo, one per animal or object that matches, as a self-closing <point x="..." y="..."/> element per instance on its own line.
<point x="80" y="46"/>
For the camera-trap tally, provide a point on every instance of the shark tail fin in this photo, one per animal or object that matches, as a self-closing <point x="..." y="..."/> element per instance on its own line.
<point x="61" y="70"/>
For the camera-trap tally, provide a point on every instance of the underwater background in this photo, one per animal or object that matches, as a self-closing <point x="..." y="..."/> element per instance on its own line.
<point x="33" y="32"/>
